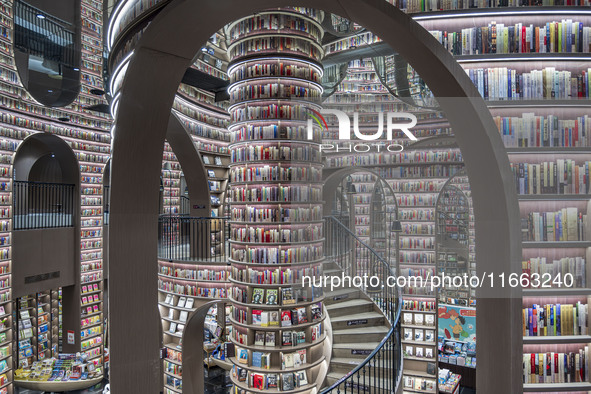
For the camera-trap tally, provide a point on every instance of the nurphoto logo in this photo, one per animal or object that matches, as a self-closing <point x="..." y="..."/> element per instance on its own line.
<point x="392" y="119"/>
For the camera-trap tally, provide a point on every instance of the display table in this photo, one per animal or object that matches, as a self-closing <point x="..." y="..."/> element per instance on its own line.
<point x="57" y="386"/>
<point x="451" y="385"/>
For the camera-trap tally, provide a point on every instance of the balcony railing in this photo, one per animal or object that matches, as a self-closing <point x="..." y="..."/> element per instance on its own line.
<point x="193" y="239"/>
<point x="43" y="205"/>
<point x="381" y="371"/>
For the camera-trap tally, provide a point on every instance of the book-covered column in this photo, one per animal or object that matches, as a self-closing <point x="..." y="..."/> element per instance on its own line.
<point x="276" y="232"/>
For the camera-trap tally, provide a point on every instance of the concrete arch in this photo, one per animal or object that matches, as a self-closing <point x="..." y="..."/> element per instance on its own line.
<point x="190" y="160"/>
<point x="161" y="58"/>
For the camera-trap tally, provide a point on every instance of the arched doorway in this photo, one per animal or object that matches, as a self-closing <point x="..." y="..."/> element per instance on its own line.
<point x="160" y="60"/>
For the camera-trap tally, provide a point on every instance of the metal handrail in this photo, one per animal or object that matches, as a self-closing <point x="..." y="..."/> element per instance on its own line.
<point x="356" y="373"/>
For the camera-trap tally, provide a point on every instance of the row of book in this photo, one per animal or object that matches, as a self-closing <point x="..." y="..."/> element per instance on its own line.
<point x="555" y="320"/>
<point x="412" y="6"/>
<point x="272" y="132"/>
<point x="546" y="268"/>
<point x="297" y="193"/>
<point x="357" y="40"/>
<point x="417" y="243"/>
<point x="555" y="367"/>
<point x="274" y="22"/>
<point x="417" y="258"/>
<point x="201" y="130"/>
<point x="312" y="232"/>
<point x="426" y="200"/>
<point x="200" y="116"/>
<point x="531" y="130"/>
<point x="502" y="83"/>
<point x="275" y="173"/>
<point x="201" y="274"/>
<point x="284" y="90"/>
<point x="285" y="152"/>
<point x="276" y="215"/>
<point x="277" y="255"/>
<point x="568" y="224"/>
<point x="267" y="276"/>
<point x="192" y="290"/>
<point x="563" y="176"/>
<point x="564" y="36"/>
<point x="270" y="381"/>
<point x="276" y="68"/>
<point x="275" y="45"/>
<point x="287" y="111"/>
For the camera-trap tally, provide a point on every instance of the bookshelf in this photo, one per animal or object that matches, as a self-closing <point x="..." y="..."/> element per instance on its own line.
<point x="87" y="133"/>
<point x="544" y="131"/>
<point x="183" y="287"/>
<point x="275" y="202"/>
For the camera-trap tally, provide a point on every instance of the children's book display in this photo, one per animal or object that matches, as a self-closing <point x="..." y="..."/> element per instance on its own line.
<point x="66" y="367"/>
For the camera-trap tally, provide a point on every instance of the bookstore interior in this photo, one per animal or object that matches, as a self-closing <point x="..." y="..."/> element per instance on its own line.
<point x="244" y="224"/>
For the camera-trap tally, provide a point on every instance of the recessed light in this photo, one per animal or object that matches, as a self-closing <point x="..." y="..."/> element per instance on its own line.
<point x="40" y="16"/>
<point x="76" y="69"/>
<point x="49" y="91"/>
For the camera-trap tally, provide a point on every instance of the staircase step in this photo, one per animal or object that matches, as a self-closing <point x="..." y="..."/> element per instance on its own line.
<point x="341" y="295"/>
<point x="365" y="319"/>
<point x="351" y="307"/>
<point x="347" y="364"/>
<point x="360" y="334"/>
<point x="358" y="385"/>
<point x="358" y="351"/>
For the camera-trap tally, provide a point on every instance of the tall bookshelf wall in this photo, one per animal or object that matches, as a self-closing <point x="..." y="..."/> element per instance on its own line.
<point x="276" y="208"/>
<point x="87" y="133"/>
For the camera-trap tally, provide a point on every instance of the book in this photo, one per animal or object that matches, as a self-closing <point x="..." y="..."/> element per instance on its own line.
<point x="286" y="338"/>
<point x="218" y="161"/>
<point x="316" y="312"/>
<point x="287" y="382"/>
<point x="172" y="327"/>
<point x="259" y="338"/>
<point x="183" y="316"/>
<point x="287" y="296"/>
<point x="211" y="173"/>
<point x="301" y="378"/>
<point x="258" y="295"/>
<point x="256" y="317"/>
<point x="205" y="159"/>
<point x="301" y="355"/>
<point x="287" y="360"/>
<point x="168" y="299"/>
<point x="264" y="319"/>
<point x="266" y="360"/>
<point x="189" y="303"/>
<point x="271" y="297"/>
<point x="243" y="356"/>
<point x="273" y="318"/>
<point x="270" y="338"/>
<point x="302" y="315"/>
<point x="272" y="381"/>
<point x="257" y="359"/>
<point x="258" y="381"/>
<point x="285" y="318"/>
<point x="181" y="303"/>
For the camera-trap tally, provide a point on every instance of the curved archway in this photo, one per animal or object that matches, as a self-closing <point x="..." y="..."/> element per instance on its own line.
<point x="48" y="65"/>
<point x="156" y="70"/>
<point x="46" y="214"/>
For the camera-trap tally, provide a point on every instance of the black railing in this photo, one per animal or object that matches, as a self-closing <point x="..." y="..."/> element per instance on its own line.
<point x="186" y="238"/>
<point x="185" y="206"/>
<point x="41" y="34"/>
<point x="381" y="371"/>
<point x="43" y="205"/>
